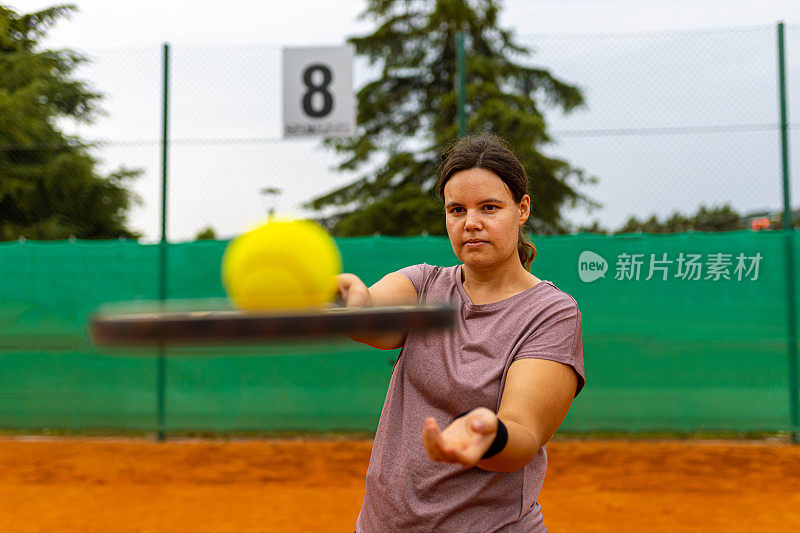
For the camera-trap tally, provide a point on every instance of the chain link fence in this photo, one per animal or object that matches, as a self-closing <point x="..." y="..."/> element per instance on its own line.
<point x="224" y="129"/>
<point x="672" y="121"/>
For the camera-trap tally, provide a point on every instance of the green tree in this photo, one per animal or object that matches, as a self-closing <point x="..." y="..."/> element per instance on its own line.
<point x="718" y="219"/>
<point x="677" y="223"/>
<point x="633" y="225"/>
<point x="49" y="185"/>
<point x="723" y="218"/>
<point x="409" y="114"/>
<point x="206" y="233"/>
<point x="594" y="228"/>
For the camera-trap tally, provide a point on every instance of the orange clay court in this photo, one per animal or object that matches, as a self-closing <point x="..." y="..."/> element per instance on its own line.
<point x="95" y="484"/>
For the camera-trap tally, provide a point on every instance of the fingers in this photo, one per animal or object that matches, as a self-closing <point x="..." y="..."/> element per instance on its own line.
<point x="440" y="449"/>
<point x="483" y="422"/>
<point x="432" y="439"/>
<point x="464" y="441"/>
<point x="351" y="291"/>
<point x="435" y="445"/>
<point x="478" y="426"/>
<point x="340" y="299"/>
<point x="343" y="286"/>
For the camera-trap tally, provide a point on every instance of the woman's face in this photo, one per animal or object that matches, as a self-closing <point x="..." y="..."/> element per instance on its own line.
<point x="479" y="207"/>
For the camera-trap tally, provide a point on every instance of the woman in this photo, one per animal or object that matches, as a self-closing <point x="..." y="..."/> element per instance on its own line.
<point x="499" y="383"/>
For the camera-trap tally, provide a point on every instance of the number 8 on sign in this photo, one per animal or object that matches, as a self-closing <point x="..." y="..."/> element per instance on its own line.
<point x="318" y="97"/>
<point x="319" y="88"/>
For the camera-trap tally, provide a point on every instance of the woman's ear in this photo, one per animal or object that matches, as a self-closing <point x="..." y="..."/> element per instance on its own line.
<point x="524" y="209"/>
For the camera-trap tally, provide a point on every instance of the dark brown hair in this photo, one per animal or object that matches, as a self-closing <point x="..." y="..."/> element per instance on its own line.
<point x="490" y="152"/>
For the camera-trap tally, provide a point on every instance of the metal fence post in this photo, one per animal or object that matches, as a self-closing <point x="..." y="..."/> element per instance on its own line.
<point x="161" y="372"/>
<point x="788" y="228"/>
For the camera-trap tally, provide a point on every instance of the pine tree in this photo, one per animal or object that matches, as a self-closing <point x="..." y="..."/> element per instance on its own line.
<point x="407" y="116"/>
<point x="49" y="185"/>
<point x="723" y="218"/>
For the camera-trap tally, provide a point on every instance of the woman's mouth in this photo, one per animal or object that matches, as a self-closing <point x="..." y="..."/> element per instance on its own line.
<point x="474" y="244"/>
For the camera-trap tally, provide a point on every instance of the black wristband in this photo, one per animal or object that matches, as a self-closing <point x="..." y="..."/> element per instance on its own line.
<point x="500" y="438"/>
<point x="499" y="442"/>
<point x="465" y="413"/>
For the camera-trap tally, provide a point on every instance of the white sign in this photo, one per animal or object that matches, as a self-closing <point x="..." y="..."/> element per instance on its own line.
<point x="318" y="92"/>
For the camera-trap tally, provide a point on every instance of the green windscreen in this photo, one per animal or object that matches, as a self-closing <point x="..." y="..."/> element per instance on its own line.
<point x="680" y="332"/>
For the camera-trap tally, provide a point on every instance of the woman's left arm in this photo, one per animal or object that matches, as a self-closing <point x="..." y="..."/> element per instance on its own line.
<point x="537" y="396"/>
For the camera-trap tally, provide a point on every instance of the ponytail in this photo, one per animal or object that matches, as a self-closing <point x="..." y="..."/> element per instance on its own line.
<point x="525" y="248"/>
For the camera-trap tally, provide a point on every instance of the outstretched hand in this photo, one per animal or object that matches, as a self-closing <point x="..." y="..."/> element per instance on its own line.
<point x="464" y="441"/>
<point x="352" y="292"/>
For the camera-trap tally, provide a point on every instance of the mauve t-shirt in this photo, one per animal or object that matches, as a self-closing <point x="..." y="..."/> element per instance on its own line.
<point x="444" y="373"/>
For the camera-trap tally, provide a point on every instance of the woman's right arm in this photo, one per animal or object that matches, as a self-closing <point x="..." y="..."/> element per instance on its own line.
<point x="393" y="289"/>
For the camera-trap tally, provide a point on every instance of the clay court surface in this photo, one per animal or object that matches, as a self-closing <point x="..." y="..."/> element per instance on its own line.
<point x="94" y="485"/>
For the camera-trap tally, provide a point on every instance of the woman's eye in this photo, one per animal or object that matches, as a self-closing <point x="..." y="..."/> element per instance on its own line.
<point x="490" y="208"/>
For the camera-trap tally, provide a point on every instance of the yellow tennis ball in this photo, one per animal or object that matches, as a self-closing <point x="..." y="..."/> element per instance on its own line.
<point x="282" y="264"/>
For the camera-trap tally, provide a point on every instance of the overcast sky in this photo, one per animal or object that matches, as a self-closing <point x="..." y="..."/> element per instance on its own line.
<point x="226" y="86"/>
<point x="106" y="23"/>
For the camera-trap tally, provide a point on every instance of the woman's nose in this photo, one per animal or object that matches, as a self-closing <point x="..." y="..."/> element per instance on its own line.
<point x="472" y="220"/>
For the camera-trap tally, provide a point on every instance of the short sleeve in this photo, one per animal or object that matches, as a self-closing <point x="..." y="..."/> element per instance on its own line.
<point x="558" y="337"/>
<point x="417" y="274"/>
